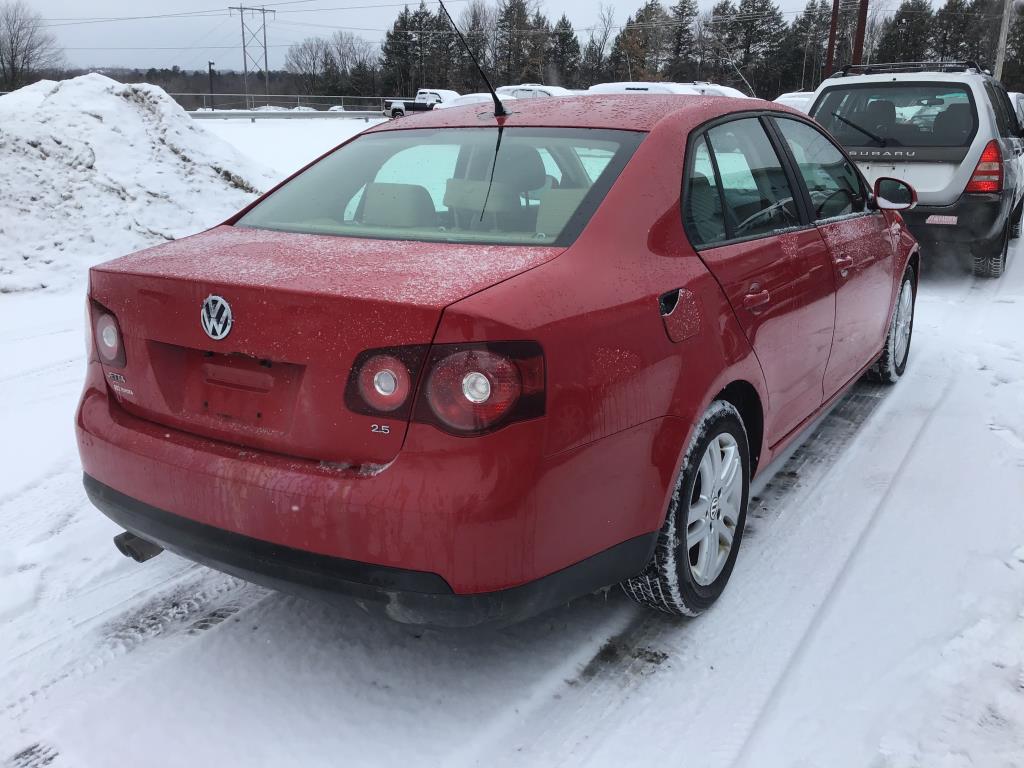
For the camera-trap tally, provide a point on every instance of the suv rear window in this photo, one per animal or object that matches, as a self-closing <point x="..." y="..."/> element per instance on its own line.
<point x="898" y="114"/>
<point x="525" y="186"/>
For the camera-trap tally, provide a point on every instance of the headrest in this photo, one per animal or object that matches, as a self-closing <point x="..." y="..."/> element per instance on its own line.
<point x="954" y="121"/>
<point x="520" y="166"/>
<point x="398" y="205"/>
<point x="556" y="208"/>
<point x="882" y="111"/>
<point x="468" y="195"/>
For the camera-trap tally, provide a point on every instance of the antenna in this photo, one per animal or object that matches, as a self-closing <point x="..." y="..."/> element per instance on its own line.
<point x="499" y="108"/>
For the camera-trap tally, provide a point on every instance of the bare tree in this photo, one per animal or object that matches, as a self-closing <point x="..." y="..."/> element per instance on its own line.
<point x="351" y="51"/>
<point x="310" y="61"/>
<point x="26" y="48"/>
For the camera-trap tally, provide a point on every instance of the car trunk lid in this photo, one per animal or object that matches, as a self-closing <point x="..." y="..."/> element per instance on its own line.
<point x="303" y="307"/>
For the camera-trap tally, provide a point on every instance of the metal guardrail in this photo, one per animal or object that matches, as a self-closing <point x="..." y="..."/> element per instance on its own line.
<point x="255" y="114"/>
<point x="193" y="101"/>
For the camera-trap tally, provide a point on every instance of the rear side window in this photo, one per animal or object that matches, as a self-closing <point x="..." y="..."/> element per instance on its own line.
<point x="756" y="197"/>
<point x="930" y="114"/>
<point x="703" y="216"/>
<point x="834" y="184"/>
<point x="1006" y="117"/>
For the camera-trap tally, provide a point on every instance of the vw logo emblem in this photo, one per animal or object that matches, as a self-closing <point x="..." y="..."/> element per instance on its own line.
<point x="216" y="317"/>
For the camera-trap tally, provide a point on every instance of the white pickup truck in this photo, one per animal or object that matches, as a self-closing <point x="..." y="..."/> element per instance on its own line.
<point x="425" y="100"/>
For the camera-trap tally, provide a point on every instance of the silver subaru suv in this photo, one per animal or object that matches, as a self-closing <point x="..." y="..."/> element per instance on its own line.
<point x="950" y="131"/>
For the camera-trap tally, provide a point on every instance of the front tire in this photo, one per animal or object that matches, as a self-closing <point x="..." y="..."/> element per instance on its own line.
<point x="893" y="362"/>
<point x="698" y="544"/>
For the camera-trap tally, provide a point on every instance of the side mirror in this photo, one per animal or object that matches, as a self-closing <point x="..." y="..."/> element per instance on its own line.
<point x="894" y="194"/>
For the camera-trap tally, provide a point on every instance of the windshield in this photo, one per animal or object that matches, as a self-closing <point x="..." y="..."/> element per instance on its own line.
<point x="898" y="115"/>
<point x="518" y="186"/>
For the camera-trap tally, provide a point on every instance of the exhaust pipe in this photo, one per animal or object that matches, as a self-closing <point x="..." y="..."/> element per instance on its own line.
<point x="135" y="547"/>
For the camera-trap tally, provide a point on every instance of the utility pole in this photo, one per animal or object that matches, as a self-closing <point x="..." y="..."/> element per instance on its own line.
<point x="254" y="37"/>
<point x="209" y="66"/>
<point x="830" y="57"/>
<point x="858" y="40"/>
<point x="1004" y="31"/>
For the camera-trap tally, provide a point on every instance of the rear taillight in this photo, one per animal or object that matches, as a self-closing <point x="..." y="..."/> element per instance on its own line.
<point x="383" y="381"/>
<point x="988" y="175"/>
<point x="107" y="338"/>
<point x="467" y="389"/>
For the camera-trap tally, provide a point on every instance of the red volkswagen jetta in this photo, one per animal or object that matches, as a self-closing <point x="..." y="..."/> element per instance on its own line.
<point x="471" y="367"/>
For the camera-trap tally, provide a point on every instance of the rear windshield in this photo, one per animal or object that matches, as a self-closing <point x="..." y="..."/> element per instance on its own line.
<point x="898" y="115"/>
<point x="521" y="186"/>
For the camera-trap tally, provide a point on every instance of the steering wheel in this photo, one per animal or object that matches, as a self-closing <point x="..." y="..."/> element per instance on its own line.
<point x="768" y="215"/>
<point x="819" y="208"/>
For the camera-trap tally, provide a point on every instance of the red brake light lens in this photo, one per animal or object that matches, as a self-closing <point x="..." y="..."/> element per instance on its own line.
<point x="468" y="389"/>
<point x="988" y="175"/>
<point x="383" y="381"/>
<point x="472" y="389"/>
<point x="107" y="337"/>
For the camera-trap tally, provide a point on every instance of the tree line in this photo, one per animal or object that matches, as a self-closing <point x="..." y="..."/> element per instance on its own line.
<point x="747" y="44"/>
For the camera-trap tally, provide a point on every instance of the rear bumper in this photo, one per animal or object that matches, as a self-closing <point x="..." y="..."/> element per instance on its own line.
<point x="975" y="219"/>
<point x="479" y="516"/>
<point x="412" y="597"/>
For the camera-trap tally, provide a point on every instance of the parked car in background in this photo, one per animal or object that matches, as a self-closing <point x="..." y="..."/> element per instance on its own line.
<point x="800" y="100"/>
<point x="692" y="89"/>
<point x="951" y="131"/>
<point x="533" y="91"/>
<point x="426" y="99"/>
<point x="1017" y="99"/>
<point x="415" y="373"/>
<point x="472" y="98"/>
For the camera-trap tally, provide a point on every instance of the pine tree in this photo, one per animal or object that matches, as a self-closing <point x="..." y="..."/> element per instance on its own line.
<point x="397" y="56"/>
<point x="641" y="49"/>
<point x="538" y="49"/>
<point x="682" y="63"/>
<point x="952" y="30"/>
<point x="565" y="55"/>
<point x="907" y="35"/>
<point x="510" y="45"/>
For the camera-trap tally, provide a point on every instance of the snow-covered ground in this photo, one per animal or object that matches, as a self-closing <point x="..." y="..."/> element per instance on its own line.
<point x="875" y="617"/>
<point x="286" y="145"/>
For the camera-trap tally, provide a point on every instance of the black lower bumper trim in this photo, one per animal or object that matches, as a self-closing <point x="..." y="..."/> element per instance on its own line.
<point x="412" y="597"/>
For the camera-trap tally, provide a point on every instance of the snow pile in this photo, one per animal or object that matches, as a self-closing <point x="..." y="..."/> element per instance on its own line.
<point x="91" y="169"/>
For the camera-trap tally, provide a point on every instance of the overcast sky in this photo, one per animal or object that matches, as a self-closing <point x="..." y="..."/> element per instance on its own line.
<point x="191" y="41"/>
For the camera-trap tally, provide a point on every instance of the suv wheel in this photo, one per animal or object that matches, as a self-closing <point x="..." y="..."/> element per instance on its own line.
<point x="893" y="362"/>
<point x="992" y="263"/>
<point x="697" y="546"/>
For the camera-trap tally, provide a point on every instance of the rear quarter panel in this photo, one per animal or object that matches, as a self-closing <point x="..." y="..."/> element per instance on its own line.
<point x="611" y="365"/>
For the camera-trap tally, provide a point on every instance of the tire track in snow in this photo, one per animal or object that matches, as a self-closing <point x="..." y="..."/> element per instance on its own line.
<point x="657" y="650"/>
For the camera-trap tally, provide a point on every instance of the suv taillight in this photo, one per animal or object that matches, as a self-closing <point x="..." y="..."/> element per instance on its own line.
<point x="467" y="389"/>
<point x="988" y="175"/>
<point x="106" y="335"/>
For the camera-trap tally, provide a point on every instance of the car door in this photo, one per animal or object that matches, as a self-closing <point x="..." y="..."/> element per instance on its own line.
<point x="861" y="245"/>
<point x="752" y="231"/>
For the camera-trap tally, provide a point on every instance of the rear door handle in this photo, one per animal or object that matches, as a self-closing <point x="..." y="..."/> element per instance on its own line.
<point x="754" y="301"/>
<point x="843" y="264"/>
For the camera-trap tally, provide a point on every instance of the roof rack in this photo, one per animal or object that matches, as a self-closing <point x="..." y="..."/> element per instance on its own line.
<point x="909" y="66"/>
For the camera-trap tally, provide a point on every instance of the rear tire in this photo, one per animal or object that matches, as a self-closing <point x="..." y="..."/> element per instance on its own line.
<point x="896" y="353"/>
<point x="698" y="544"/>
<point x="992" y="264"/>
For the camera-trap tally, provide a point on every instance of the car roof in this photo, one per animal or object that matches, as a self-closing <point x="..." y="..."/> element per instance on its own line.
<point x="904" y="77"/>
<point x="609" y="111"/>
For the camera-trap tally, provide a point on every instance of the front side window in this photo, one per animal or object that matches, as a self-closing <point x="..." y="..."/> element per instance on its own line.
<point x="532" y="187"/>
<point x="831" y="179"/>
<point x="880" y="115"/>
<point x="756" y="197"/>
